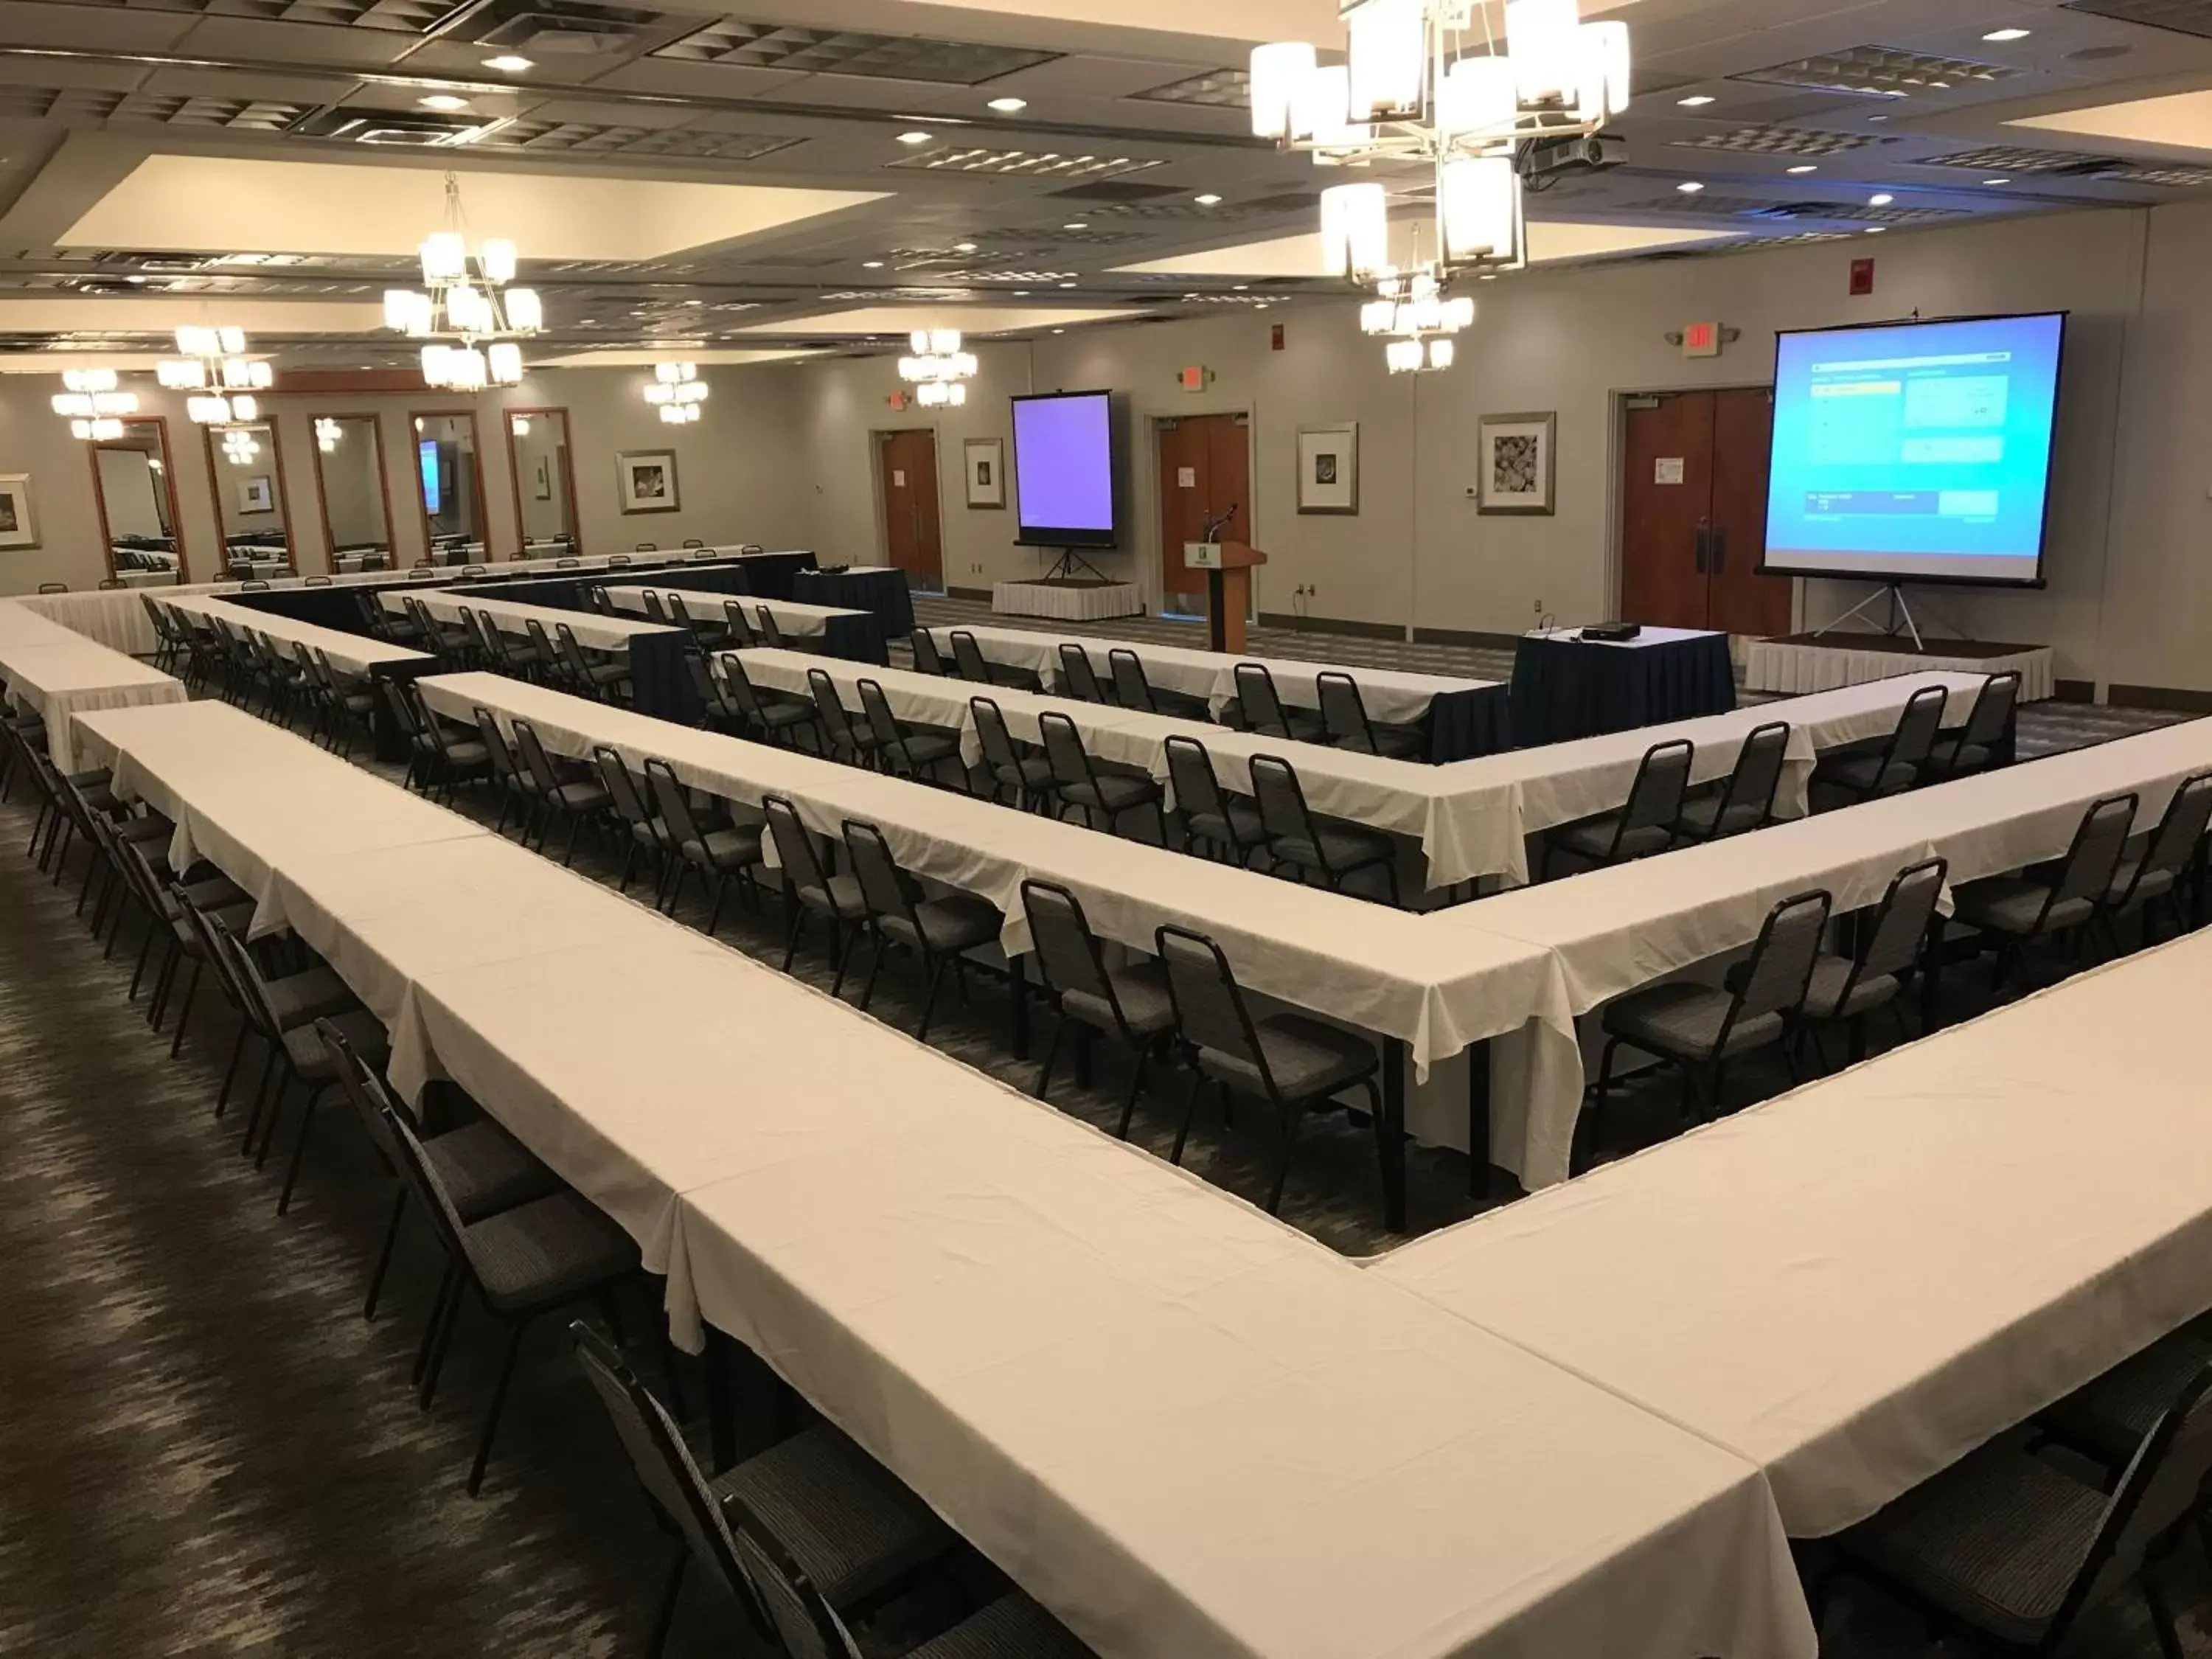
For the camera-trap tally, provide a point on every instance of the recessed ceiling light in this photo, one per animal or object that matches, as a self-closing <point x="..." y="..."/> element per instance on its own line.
<point x="1807" y="167"/>
<point x="1209" y="200"/>
<point x="443" y="101"/>
<point x="1262" y="305"/>
<point x="1997" y="181"/>
<point x="1238" y="288"/>
<point x="963" y="247"/>
<point x="871" y="264"/>
<point x="1699" y="101"/>
<point x="914" y="137"/>
<point x="1059" y="330"/>
<point x="2006" y="35"/>
<point x="1077" y="224"/>
<point x="1489" y="276"/>
<point x="1067" y="285"/>
<point x="1877" y="118"/>
<point x="508" y="63"/>
<point x="694" y="302"/>
<point x="1009" y="105"/>
<point x="1022" y="293"/>
<point x="1690" y="189"/>
<point x="1880" y="198"/>
<point x="1875" y="230"/>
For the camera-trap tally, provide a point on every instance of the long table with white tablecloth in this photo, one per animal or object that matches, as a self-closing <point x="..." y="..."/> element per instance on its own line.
<point x="355" y="654"/>
<point x="836" y="631"/>
<point x="1185" y="1429"/>
<point x="59" y="675"/>
<point x="1856" y="1284"/>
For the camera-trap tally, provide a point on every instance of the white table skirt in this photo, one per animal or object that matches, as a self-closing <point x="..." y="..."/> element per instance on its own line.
<point x="1776" y="666"/>
<point x="350" y="654"/>
<point x="1858" y="1283"/>
<point x="591" y="628"/>
<point x="1066" y="601"/>
<point x="64" y="683"/>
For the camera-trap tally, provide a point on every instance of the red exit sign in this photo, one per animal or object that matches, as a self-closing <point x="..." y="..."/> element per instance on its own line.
<point x="1701" y="340"/>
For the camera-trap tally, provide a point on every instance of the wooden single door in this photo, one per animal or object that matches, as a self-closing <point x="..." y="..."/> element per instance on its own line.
<point x="1206" y="470"/>
<point x="912" y="531"/>
<point x="1695" y="513"/>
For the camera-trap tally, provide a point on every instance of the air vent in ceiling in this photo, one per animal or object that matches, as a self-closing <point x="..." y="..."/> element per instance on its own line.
<point x="2183" y="16"/>
<point x="1043" y="164"/>
<point x="1711" y="206"/>
<point x="2177" y="178"/>
<point x="1115" y="189"/>
<point x="590" y="138"/>
<point x="1881" y="72"/>
<point x="419" y="128"/>
<point x="409" y="15"/>
<point x="1221" y="89"/>
<point x="2008" y="158"/>
<point x="852" y="51"/>
<point x="556" y="29"/>
<point x="1780" y="140"/>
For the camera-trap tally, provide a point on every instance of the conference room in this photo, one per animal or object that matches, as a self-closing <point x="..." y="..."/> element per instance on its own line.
<point x="987" y="829"/>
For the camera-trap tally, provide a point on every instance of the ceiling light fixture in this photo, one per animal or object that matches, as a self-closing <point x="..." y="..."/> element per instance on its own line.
<point x="1077" y="224"/>
<point x="1880" y="198"/>
<point x="214" y="366"/>
<point x="871" y="264"/>
<point x="1415" y="88"/>
<point x="443" y="101"/>
<point x="1807" y="167"/>
<point x="2007" y="35"/>
<point x="678" y="392"/>
<point x="1690" y="188"/>
<point x="1207" y="200"/>
<point x="1009" y="105"/>
<point x="328" y="434"/>
<point x="1697" y="101"/>
<point x="1997" y="181"/>
<point x="91" y="405"/>
<point x="508" y="63"/>
<point x="963" y="247"/>
<point x="473" y="318"/>
<point x="1420" y="322"/>
<point x="938" y="367"/>
<point x="914" y="137"/>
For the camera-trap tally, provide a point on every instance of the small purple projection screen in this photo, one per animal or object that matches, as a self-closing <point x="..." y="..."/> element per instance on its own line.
<point x="1064" y="469"/>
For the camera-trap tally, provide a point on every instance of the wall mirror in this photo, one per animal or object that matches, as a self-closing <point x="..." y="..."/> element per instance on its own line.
<point x="449" y="485"/>
<point x="134" y="486"/>
<point x="544" y="488"/>
<point x="245" y="471"/>
<point x="350" y="475"/>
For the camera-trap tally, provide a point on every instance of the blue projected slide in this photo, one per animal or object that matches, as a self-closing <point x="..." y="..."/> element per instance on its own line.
<point x="1919" y="452"/>
<point x="433" y="496"/>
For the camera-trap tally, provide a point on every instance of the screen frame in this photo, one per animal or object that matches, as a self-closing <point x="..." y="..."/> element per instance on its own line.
<point x="1026" y="535"/>
<point x="1878" y="579"/>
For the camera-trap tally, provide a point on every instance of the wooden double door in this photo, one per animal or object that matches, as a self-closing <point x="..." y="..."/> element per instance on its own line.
<point x="912" y="531"/>
<point x="1694" y="513"/>
<point x="1205" y="469"/>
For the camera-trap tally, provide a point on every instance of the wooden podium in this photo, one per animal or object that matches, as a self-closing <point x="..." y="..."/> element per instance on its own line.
<point x="1228" y="588"/>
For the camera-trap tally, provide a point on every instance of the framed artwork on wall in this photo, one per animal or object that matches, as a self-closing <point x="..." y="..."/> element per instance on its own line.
<point x="646" y="480"/>
<point x="987" y="472"/>
<point x="543" y="486"/>
<point x="255" y="495"/>
<point x="1515" y="464"/>
<point x="1328" y="468"/>
<point x="18" y="527"/>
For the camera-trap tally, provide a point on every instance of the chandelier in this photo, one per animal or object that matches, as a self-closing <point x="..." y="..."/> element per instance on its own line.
<point x="1429" y="82"/>
<point x="328" y="432"/>
<point x="215" y="368"/>
<point x="1416" y="319"/>
<point x="677" y="392"/>
<point x="93" y="405"/>
<point x="465" y="308"/>
<point x="938" y="367"/>
<point x="238" y="446"/>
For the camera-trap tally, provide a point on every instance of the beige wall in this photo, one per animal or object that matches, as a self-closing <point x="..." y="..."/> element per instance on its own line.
<point x="2129" y="567"/>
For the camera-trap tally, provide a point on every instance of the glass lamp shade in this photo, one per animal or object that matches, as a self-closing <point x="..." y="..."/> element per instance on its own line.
<point x="199" y="341"/>
<point x="1403" y="356"/>
<point x="114" y="403"/>
<point x="944" y="342"/>
<point x="661" y="392"/>
<point x="78" y="403"/>
<point x="1355" y="230"/>
<point x="504" y="361"/>
<point x="180" y="373"/>
<point x="243" y="408"/>
<point x="232" y="340"/>
<point x="498" y="260"/>
<point x="1279" y="72"/>
<point x="1605" y="71"/>
<point x="445" y="258"/>
<point x="208" y="411"/>
<point x="1545" y="39"/>
<point x="1333" y="128"/>
<point x="1389" y="57"/>
<point x="1480" y="96"/>
<point x="1441" y="353"/>
<point x="525" y="313"/>
<point x="1480" y="197"/>
<point x="88" y="379"/>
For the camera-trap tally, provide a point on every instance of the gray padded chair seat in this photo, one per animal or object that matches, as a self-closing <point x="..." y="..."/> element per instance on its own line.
<point x="727" y="849"/>
<point x="539" y="1252"/>
<point x="2011" y="904"/>
<point x="1686" y="1019"/>
<point x="1824" y="996"/>
<point x="1112" y="792"/>
<point x="1142" y="990"/>
<point x="485" y="1171"/>
<point x="1996" y="1538"/>
<point x="466" y="755"/>
<point x="928" y="748"/>
<point x="298" y="998"/>
<point x="778" y="716"/>
<point x="139" y="831"/>
<point x="1594" y="839"/>
<point x="1012" y="1627"/>
<point x="2112" y="1415"/>
<point x="2156" y="884"/>
<point x="957" y="923"/>
<point x="1705" y="818"/>
<point x="303" y="1046"/>
<point x="842" y="897"/>
<point x="605" y="673"/>
<point x="1865" y="773"/>
<point x="1307" y="1058"/>
<point x="582" y="797"/>
<point x="1234" y="825"/>
<point x="850" y="1527"/>
<point x="1337" y="849"/>
<point x="1028" y="775"/>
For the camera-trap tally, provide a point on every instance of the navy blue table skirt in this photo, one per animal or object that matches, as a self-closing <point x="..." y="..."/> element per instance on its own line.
<point x="1565" y="688"/>
<point x="1464" y="724"/>
<point x="882" y="592"/>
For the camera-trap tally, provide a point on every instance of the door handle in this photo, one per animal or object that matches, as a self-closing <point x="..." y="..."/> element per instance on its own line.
<point x="1702" y="543"/>
<point x="1719" y="542"/>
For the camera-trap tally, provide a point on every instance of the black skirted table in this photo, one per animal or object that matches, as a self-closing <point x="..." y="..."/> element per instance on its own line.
<point x="880" y="588"/>
<point x="1462" y="724"/>
<point x="1567" y="687"/>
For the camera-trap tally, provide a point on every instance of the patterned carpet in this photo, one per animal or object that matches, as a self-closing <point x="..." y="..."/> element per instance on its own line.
<point x="204" y="1450"/>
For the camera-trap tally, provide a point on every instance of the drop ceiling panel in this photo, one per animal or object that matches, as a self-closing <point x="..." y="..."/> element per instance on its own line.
<point x="27" y="25"/>
<point x="672" y="78"/>
<point x="55" y="73"/>
<point x="904" y="320"/>
<point x="253" y="39"/>
<point x="307" y="90"/>
<point x="161" y="315"/>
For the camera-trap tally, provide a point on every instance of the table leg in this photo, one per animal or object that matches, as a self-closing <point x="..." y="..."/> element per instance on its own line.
<point x="1480" y="1163"/>
<point x="1018" y="981"/>
<point x="721" y="1414"/>
<point x="1395" y="1059"/>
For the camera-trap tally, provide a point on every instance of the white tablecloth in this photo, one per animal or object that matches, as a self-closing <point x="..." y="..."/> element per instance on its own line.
<point x="1611" y="931"/>
<point x="1645" y="639"/>
<point x="1390" y="695"/>
<point x="1856" y="1284"/>
<point x="1380" y="970"/>
<point x="62" y="675"/>
<point x="792" y="617"/>
<point x="1781" y="665"/>
<point x="1066" y="601"/>
<point x="591" y="629"/>
<point x="350" y="654"/>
